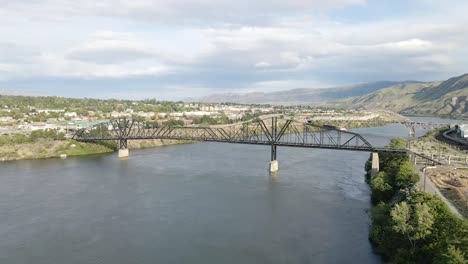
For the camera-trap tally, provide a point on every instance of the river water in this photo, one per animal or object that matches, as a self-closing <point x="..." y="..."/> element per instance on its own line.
<point x="196" y="203"/>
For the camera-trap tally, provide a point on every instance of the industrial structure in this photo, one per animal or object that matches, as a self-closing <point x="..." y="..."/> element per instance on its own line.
<point x="272" y="132"/>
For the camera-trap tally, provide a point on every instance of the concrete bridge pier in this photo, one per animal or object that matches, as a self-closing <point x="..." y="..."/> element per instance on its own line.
<point x="123" y="148"/>
<point x="274" y="166"/>
<point x="375" y="164"/>
<point x="123" y="153"/>
<point x="274" y="162"/>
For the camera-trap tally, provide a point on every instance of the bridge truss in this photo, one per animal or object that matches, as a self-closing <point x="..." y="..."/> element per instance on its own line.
<point x="271" y="132"/>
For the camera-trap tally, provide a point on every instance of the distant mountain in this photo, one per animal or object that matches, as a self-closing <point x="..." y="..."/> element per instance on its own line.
<point x="447" y="98"/>
<point x="299" y="96"/>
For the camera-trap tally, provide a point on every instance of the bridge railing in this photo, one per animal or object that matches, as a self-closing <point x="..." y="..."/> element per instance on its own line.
<point x="271" y="131"/>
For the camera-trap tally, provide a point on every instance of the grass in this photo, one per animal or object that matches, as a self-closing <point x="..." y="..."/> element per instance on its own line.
<point x="74" y="148"/>
<point x="50" y="149"/>
<point x="54" y="148"/>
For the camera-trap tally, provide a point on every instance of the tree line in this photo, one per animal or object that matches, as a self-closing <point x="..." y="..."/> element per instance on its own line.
<point x="34" y="136"/>
<point x="410" y="226"/>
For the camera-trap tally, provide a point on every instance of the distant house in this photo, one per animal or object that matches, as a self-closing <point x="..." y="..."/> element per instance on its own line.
<point x="70" y="114"/>
<point x="6" y="119"/>
<point x="145" y="114"/>
<point x="462" y="130"/>
<point x="116" y="114"/>
<point x="161" y="115"/>
<point x="38" y="126"/>
<point x="176" y="114"/>
<point x="48" y="110"/>
<point x="199" y="113"/>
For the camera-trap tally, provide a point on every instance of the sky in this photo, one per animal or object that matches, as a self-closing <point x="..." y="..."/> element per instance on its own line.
<point x="171" y="50"/>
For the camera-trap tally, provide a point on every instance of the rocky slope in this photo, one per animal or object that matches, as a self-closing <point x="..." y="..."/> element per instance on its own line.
<point x="447" y="98"/>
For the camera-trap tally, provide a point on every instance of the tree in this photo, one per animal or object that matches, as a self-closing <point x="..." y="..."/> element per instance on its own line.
<point x="423" y="220"/>
<point x="406" y="177"/>
<point x="173" y="123"/>
<point x="413" y="221"/>
<point x="381" y="189"/>
<point x="206" y="120"/>
<point x="452" y="256"/>
<point x="399" y="143"/>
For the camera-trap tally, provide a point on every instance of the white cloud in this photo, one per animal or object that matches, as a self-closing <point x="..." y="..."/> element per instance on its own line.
<point x="262" y="64"/>
<point x="178" y="11"/>
<point x="228" y="44"/>
<point x="60" y="66"/>
<point x="107" y="47"/>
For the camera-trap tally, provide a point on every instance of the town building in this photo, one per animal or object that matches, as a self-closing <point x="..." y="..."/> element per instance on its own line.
<point x="462" y="131"/>
<point x="48" y="110"/>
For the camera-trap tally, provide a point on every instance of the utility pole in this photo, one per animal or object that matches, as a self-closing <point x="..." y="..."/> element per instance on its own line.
<point x="424" y="175"/>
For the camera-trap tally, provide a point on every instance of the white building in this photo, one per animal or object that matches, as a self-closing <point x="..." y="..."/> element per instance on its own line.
<point x="176" y="114"/>
<point x="47" y="110"/>
<point x="145" y="114"/>
<point x="6" y="119"/>
<point x="462" y="130"/>
<point x="199" y="113"/>
<point x="119" y="114"/>
<point x="70" y="114"/>
<point x="42" y="126"/>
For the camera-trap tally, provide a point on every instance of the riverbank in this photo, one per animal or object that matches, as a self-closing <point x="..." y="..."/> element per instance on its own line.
<point x="44" y="148"/>
<point x="452" y="117"/>
<point x="434" y="143"/>
<point x="451" y="183"/>
<point x="384" y="118"/>
<point x="411" y="226"/>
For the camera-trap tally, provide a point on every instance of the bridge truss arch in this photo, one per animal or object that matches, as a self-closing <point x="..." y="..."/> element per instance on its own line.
<point x="272" y="132"/>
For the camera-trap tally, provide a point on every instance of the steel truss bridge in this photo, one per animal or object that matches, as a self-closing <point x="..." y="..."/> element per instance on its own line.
<point x="271" y="132"/>
<point x="411" y="126"/>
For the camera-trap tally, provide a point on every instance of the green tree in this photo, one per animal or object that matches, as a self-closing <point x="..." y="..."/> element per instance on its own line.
<point x="415" y="222"/>
<point x="381" y="189"/>
<point x="206" y="120"/>
<point x="452" y="256"/>
<point x="406" y="177"/>
<point x="173" y="123"/>
<point x="398" y="143"/>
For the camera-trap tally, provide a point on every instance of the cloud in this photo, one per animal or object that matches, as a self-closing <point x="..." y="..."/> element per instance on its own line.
<point x="262" y="64"/>
<point x="107" y="47"/>
<point x="13" y="52"/>
<point x="202" y="45"/>
<point x="60" y="66"/>
<point x="175" y="12"/>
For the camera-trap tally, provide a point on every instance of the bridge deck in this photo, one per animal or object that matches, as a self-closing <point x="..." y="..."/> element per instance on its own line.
<point x="262" y="142"/>
<point x="274" y="133"/>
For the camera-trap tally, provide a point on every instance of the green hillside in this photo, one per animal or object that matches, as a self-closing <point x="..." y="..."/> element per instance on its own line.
<point x="448" y="98"/>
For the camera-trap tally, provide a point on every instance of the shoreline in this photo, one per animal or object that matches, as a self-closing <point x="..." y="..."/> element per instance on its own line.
<point x="21" y="151"/>
<point x="71" y="148"/>
<point x="398" y="203"/>
<point x="46" y="149"/>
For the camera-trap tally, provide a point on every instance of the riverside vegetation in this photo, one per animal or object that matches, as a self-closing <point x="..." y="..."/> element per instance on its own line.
<point x="47" y="143"/>
<point x="50" y="143"/>
<point x="410" y="226"/>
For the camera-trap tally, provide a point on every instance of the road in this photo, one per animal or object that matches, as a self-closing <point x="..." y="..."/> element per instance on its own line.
<point x="428" y="186"/>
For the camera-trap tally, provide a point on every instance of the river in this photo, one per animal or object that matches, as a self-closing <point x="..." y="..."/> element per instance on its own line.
<point x="196" y="203"/>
